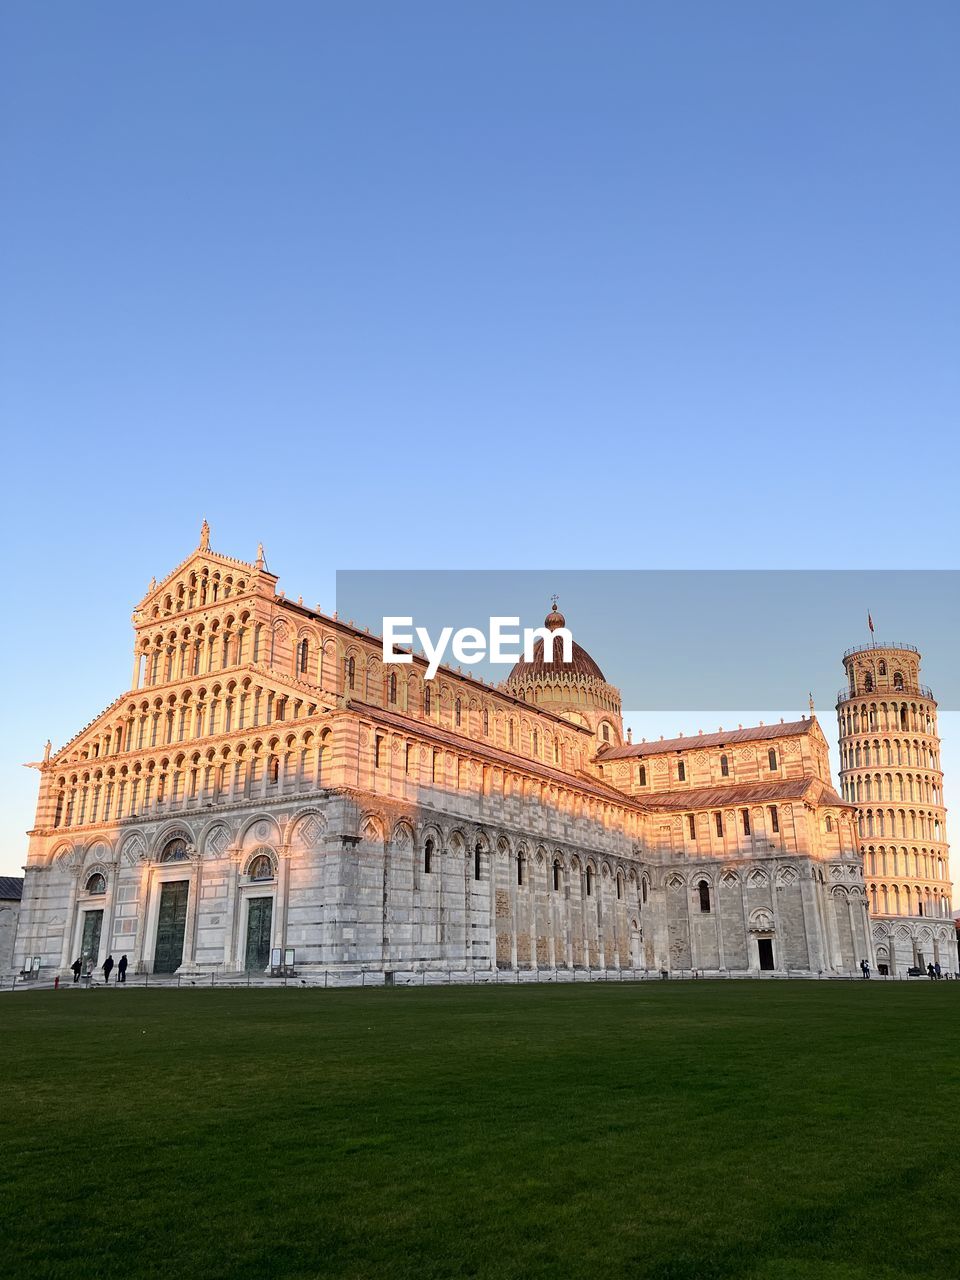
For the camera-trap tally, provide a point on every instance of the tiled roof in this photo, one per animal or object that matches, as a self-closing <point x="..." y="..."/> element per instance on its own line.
<point x="811" y="789"/>
<point x="481" y="747"/>
<point x="500" y="690"/>
<point x="11" y="888"/>
<point x="759" y="733"/>
<point x="580" y="664"/>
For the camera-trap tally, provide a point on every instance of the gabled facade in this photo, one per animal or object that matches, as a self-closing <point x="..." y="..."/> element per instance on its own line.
<point x="267" y="783"/>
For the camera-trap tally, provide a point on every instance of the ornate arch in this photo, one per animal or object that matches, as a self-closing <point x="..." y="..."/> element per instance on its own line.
<point x="98" y="871"/>
<point x="259" y="828"/>
<point x="215" y="839"/>
<point x="168" y="831"/>
<point x="307" y="826"/>
<point x="372" y="827"/>
<point x="98" y="849"/>
<point x="431" y="831"/>
<point x="64" y="855"/>
<point x="133" y="848"/>
<point x="257" y="863"/>
<point x="761" y="920"/>
<point x="402" y="834"/>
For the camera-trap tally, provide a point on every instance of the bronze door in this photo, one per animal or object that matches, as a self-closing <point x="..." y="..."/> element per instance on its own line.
<point x="90" y="947"/>
<point x="259" y="920"/>
<point x="171" y="924"/>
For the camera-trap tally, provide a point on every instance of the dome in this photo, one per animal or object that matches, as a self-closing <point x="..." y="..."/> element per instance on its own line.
<point x="580" y="666"/>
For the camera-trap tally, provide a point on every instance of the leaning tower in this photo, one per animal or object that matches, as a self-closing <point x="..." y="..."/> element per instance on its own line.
<point x="890" y="769"/>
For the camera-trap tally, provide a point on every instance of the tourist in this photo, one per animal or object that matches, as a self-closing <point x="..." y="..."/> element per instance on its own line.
<point x="936" y="970"/>
<point x="76" y="967"/>
<point x="107" y="967"/>
<point x="930" y="974"/>
<point x="122" y="969"/>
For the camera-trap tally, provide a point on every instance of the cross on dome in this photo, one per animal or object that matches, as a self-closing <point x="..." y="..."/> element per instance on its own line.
<point x="554" y="619"/>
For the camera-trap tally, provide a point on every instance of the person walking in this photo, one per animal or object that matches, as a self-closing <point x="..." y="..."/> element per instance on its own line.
<point x="937" y="970"/>
<point x="107" y="968"/>
<point x="122" y="969"/>
<point x="930" y="974"/>
<point x="76" y="967"/>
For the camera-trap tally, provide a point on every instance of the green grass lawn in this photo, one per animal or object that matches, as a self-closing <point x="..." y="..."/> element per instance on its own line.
<point x="761" y="1131"/>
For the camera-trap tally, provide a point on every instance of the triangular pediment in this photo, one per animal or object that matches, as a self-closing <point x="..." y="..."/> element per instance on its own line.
<point x="72" y="750"/>
<point x="79" y="750"/>
<point x="196" y="562"/>
<point x="202" y="563"/>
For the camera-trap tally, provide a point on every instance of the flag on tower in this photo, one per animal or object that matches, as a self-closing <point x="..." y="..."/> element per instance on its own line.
<point x="870" y="623"/>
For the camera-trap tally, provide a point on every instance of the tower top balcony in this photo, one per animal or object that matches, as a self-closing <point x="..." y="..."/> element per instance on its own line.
<point x="890" y="645"/>
<point x="908" y="689"/>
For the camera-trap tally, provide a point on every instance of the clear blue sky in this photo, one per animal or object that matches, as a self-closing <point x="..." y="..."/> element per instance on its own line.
<point x="472" y="285"/>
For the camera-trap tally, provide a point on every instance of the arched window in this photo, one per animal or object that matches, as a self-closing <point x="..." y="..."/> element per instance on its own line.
<point x="274" y="769"/>
<point x="486" y="722"/>
<point x="261" y="867"/>
<point x="772" y="758"/>
<point x="868" y="683"/>
<point x="303" y="656"/>
<point x="619" y="885"/>
<point x="393" y="686"/>
<point x="175" y="850"/>
<point x="426" y="700"/>
<point x="724" y="767"/>
<point x="643" y="775"/>
<point x="520" y="868"/>
<point x="703" y="891"/>
<point x="605" y="732"/>
<point x="428" y="857"/>
<point x="882" y="668"/>
<point x="681" y="772"/>
<point x="476" y="861"/>
<point x="556" y="874"/>
<point x="457" y="712"/>
<point x="829" y="823"/>
<point x="589" y="881"/>
<point x="644" y="887"/>
<point x="536" y="742"/>
<point x="97" y="883"/>
<point x="898" y="679"/>
<point x="351" y="673"/>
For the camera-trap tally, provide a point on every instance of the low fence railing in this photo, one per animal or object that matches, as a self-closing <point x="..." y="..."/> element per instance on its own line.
<point x="331" y="980"/>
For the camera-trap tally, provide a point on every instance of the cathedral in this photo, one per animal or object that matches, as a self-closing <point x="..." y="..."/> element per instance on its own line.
<point x="268" y="792"/>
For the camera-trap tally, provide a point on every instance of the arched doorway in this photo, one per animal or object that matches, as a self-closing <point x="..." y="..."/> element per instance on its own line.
<point x="172" y="912"/>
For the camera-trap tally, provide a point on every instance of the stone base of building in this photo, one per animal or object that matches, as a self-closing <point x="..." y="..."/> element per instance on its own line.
<point x="902" y="943"/>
